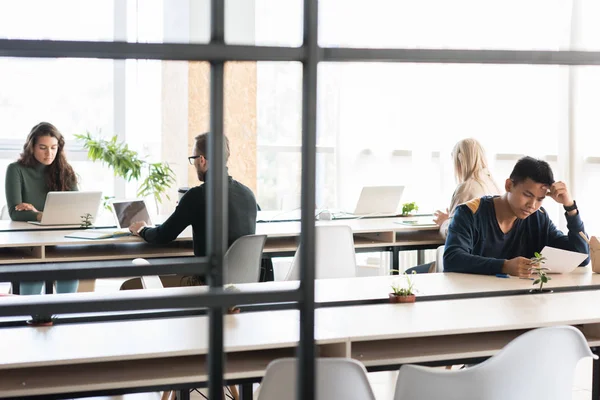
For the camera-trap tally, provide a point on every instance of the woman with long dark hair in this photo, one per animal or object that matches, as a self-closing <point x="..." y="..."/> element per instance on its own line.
<point x="42" y="168"/>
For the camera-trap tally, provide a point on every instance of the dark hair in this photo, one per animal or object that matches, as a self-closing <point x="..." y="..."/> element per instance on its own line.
<point x="537" y="170"/>
<point x="202" y="141"/>
<point x="60" y="176"/>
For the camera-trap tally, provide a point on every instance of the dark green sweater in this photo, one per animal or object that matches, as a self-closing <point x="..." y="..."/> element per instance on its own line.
<point x="26" y="185"/>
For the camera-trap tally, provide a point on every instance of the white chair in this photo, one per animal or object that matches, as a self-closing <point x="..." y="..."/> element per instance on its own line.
<point x="242" y="259"/>
<point x="539" y="364"/>
<point x="334" y="254"/>
<point x="439" y="259"/>
<point x="336" y="378"/>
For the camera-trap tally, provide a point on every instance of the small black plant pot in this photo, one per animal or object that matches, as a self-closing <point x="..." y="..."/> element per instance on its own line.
<point x="538" y="291"/>
<point x="37" y="320"/>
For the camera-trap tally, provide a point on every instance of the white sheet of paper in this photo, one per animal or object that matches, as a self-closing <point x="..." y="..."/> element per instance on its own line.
<point x="561" y="261"/>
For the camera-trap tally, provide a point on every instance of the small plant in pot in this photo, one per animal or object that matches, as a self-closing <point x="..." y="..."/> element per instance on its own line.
<point x="233" y="289"/>
<point x="403" y="292"/>
<point x="41" y="320"/>
<point x="409" y="208"/>
<point x="542" y="277"/>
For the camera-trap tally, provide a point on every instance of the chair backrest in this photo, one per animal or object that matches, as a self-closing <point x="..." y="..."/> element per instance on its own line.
<point x="334" y="256"/>
<point x="4" y="213"/>
<point x="539" y="364"/>
<point x="439" y="259"/>
<point x="336" y="378"/>
<point x="242" y="259"/>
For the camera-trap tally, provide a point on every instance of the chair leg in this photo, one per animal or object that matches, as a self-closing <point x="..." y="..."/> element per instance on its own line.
<point x="168" y="395"/>
<point x="234" y="392"/>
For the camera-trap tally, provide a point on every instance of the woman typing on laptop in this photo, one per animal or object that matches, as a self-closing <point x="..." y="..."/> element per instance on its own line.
<point x="41" y="168"/>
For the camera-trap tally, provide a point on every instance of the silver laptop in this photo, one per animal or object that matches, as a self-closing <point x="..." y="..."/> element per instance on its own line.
<point x="376" y="201"/>
<point x="68" y="208"/>
<point x="128" y="211"/>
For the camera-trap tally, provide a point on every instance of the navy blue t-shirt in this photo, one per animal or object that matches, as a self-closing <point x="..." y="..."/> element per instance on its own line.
<point x="476" y="244"/>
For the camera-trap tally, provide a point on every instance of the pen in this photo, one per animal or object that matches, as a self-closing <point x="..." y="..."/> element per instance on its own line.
<point x="501" y="275"/>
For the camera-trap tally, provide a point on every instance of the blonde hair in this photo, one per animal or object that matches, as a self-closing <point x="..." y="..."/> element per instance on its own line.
<point x="470" y="161"/>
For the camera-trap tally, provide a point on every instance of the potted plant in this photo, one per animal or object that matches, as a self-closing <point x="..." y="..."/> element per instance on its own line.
<point x="41" y="320"/>
<point x="234" y="289"/>
<point x="536" y="267"/>
<point x="409" y="208"/>
<point x="86" y="220"/>
<point x="403" y="293"/>
<point x="127" y="164"/>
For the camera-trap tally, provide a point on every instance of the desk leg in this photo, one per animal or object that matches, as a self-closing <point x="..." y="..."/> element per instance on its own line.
<point x="246" y="391"/>
<point x="420" y="257"/>
<point x="595" y="376"/>
<point x="183" y="394"/>
<point x="395" y="261"/>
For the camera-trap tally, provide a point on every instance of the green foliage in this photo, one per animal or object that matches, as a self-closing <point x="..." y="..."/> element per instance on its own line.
<point x="404" y="290"/>
<point x="127" y="164"/>
<point x="86" y="220"/>
<point x="536" y="263"/>
<point x="407" y="208"/>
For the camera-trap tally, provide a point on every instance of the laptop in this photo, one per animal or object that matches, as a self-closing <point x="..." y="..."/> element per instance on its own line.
<point x="68" y="208"/>
<point x="125" y="213"/>
<point x="376" y="201"/>
<point x="128" y="211"/>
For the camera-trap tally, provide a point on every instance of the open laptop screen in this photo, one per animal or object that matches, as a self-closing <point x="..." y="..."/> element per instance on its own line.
<point x="129" y="211"/>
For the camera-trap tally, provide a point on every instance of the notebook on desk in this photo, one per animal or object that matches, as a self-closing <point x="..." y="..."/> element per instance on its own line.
<point x="97" y="234"/>
<point x="68" y="208"/>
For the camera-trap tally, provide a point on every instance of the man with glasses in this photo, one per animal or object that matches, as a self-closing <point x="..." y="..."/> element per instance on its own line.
<point x="191" y="209"/>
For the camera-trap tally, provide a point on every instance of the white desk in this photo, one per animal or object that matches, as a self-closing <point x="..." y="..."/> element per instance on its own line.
<point x="52" y="246"/>
<point x="377" y="335"/>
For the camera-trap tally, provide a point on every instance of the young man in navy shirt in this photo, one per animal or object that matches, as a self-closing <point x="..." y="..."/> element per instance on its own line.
<point x="498" y="235"/>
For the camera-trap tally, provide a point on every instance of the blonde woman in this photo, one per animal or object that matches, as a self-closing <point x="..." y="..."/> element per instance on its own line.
<point x="473" y="177"/>
<point x="474" y="181"/>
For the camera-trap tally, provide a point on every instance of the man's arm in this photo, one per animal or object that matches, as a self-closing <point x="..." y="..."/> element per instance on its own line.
<point x="458" y="253"/>
<point x="572" y="241"/>
<point x="180" y="219"/>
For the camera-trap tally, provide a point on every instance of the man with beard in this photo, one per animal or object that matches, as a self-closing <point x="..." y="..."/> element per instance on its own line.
<point x="191" y="209"/>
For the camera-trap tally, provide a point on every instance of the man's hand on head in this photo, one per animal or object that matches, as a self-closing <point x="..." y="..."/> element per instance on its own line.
<point x="560" y="194"/>
<point x="136" y="227"/>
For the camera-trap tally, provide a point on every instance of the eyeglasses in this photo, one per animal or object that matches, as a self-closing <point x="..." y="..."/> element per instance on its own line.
<point x="192" y="158"/>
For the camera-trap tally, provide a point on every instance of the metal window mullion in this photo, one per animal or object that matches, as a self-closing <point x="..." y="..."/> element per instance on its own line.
<point x="306" y="349"/>
<point x="217" y="219"/>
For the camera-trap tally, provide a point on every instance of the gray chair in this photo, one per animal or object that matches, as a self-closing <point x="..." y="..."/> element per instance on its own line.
<point x="242" y="259"/>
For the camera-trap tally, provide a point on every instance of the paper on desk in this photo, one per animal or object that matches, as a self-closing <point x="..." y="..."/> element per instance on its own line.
<point x="561" y="261"/>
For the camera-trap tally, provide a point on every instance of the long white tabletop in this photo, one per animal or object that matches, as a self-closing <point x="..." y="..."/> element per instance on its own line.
<point x="377" y="335"/>
<point x="53" y="246"/>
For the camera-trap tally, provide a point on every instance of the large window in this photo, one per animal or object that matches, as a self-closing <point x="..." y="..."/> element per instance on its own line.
<point x="393" y="123"/>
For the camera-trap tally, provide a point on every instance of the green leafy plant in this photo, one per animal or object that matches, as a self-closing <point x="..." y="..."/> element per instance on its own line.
<point x="86" y="220"/>
<point x="408" y="208"/>
<point x="127" y="164"/>
<point x="537" y="267"/>
<point x="401" y="289"/>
